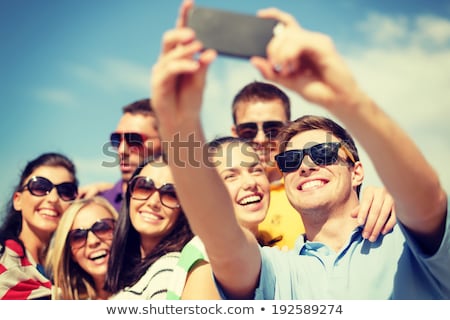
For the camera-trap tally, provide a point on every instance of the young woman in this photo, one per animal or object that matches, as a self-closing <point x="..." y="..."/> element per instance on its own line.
<point x="150" y="234"/>
<point x="81" y="249"/>
<point x="46" y="188"/>
<point x="249" y="188"/>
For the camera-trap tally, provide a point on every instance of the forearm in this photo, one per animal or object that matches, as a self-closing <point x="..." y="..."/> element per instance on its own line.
<point x="419" y="197"/>
<point x="233" y="253"/>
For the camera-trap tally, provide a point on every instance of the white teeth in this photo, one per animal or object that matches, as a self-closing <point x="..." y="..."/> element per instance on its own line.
<point x="150" y="216"/>
<point x="47" y="212"/>
<point x="98" y="255"/>
<point x="250" y="199"/>
<point x="312" y="184"/>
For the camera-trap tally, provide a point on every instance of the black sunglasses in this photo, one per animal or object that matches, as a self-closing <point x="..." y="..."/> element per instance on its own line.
<point x="249" y="130"/>
<point x="141" y="188"/>
<point x="40" y="186"/>
<point x="133" y="139"/>
<point x="322" y="154"/>
<point x="103" y="229"/>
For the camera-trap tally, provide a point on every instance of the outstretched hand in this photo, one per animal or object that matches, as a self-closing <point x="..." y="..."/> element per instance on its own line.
<point x="178" y="77"/>
<point x="307" y="63"/>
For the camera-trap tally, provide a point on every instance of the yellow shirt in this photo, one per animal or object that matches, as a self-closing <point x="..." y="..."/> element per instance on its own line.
<point x="282" y="219"/>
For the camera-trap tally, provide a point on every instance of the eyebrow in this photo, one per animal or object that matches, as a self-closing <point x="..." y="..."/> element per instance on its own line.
<point x="237" y="168"/>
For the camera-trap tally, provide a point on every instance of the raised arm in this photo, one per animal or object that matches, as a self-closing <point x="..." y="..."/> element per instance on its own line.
<point x="177" y="84"/>
<point x="308" y="63"/>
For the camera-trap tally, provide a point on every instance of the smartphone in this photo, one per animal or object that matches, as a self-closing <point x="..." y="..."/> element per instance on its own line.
<point x="230" y="33"/>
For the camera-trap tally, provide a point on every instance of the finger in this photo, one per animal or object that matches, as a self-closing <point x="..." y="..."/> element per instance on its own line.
<point x="364" y="205"/>
<point x="176" y="37"/>
<point x="279" y="15"/>
<point x="182" y="19"/>
<point x="391" y="222"/>
<point x="372" y="214"/>
<point x="264" y="67"/>
<point x="383" y="217"/>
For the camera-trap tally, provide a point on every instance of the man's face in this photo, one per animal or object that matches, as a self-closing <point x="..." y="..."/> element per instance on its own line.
<point x="131" y="156"/>
<point x="259" y="112"/>
<point x="319" y="188"/>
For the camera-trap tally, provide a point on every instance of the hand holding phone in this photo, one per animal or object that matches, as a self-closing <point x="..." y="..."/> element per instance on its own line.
<point x="233" y="34"/>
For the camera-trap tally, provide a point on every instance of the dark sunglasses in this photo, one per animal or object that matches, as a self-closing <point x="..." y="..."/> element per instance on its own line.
<point x="141" y="188"/>
<point x="249" y="130"/>
<point x="322" y="154"/>
<point x="103" y="229"/>
<point x="133" y="139"/>
<point x="40" y="186"/>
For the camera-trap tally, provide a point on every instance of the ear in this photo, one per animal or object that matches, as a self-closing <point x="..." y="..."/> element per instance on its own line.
<point x="233" y="131"/>
<point x="17" y="201"/>
<point x="357" y="174"/>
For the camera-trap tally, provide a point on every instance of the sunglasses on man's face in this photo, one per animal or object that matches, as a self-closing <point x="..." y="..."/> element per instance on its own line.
<point x="40" y="186"/>
<point x="133" y="139"/>
<point x="102" y="229"/>
<point x="142" y="188"/>
<point x="322" y="154"/>
<point x="249" y="130"/>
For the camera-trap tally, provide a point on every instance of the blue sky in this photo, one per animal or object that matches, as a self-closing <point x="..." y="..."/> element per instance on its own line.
<point x="67" y="68"/>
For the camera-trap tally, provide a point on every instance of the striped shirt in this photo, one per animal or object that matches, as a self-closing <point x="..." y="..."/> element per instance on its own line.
<point x="192" y="252"/>
<point x="20" y="277"/>
<point x="153" y="284"/>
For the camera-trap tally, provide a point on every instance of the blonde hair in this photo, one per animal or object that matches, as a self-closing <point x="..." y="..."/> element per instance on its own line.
<point x="71" y="282"/>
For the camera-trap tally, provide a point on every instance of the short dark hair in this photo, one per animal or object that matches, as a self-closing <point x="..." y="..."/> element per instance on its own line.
<point x="261" y="91"/>
<point x="143" y="106"/>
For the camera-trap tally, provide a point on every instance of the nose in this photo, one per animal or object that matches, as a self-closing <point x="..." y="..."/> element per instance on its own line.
<point x="260" y="137"/>
<point x="249" y="181"/>
<point x="123" y="147"/>
<point x="53" y="195"/>
<point x="307" y="165"/>
<point x="154" y="201"/>
<point x="92" y="239"/>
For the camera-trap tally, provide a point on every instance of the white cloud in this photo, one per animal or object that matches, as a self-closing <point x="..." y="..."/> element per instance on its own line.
<point x="113" y="74"/>
<point x="384" y="29"/>
<point x="410" y="81"/>
<point x="433" y="29"/>
<point x="59" y="97"/>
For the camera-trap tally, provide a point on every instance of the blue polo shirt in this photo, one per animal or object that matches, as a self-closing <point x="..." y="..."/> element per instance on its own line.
<point x="393" y="267"/>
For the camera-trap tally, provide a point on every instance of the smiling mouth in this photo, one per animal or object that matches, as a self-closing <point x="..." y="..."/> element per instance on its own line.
<point x="250" y="200"/>
<point x="98" y="255"/>
<point x="314" y="184"/>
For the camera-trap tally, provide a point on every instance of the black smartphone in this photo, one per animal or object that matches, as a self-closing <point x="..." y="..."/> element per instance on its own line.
<point x="230" y="33"/>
